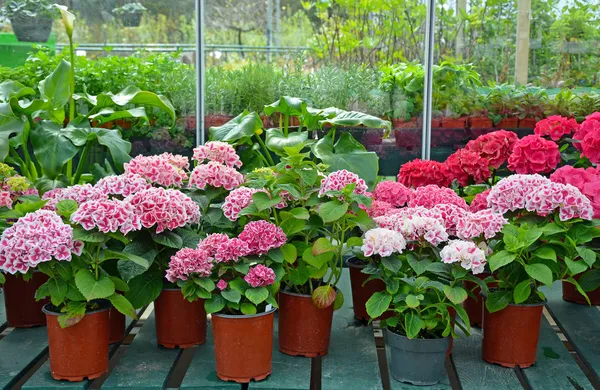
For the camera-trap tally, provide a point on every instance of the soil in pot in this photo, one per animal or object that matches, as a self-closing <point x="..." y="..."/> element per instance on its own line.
<point x="361" y="291"/>
<point x="243" y="346"/>
<point x="570" y="293"/>
<point x="28" y="29"/>
<point x="22" y="310"/>
<point x="417" y="361"/>
<point x="304" y="329"/>
<point x="510" y="336"/>
<point x="79" y="351"/>
<point x="179" y="322"/>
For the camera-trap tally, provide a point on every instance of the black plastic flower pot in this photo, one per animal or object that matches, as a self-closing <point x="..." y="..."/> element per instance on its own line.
<point x="131" y="19"/>
<point x="29" y="29"/>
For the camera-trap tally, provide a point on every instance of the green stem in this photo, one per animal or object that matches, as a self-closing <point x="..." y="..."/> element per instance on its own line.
<point x="82" y="162"/>
<point x="286" y="124"/>
<point x="32" y="172"/>
<point x="71" y="99"/>
<point x="18" y="160"/>
<point x="267" y="154"/>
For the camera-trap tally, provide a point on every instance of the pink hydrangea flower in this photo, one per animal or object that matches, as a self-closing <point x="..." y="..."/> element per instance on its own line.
<point x="382" y="242"/>
<point x="38" y="237"/>
<point x="495" y="147"/>
<point x="424" y="228"/>
<point x="431" y="195"/>
<point x="394" y="219"/>
<point x="79" y="193"/>
<point x="231" y="250"/>
<point x="534" y="154"/>
<point x="451" y="215"/>
<point x="467" y="166"/>
<point x="218" y="151"/>
<point x="509" y="193"/>
<point x="187" y="262"/>
<point x="237" y="200"/>
<point x="418" y="173"/>
<point x="467" y="253"/>
<point x="550" y="196"/>
<point x="262" y="236"/>
<point x="585" y="180"/>
<point x="394" y="193"/>
<point x="484" y="223"/>
<point x="216" y="175"/>
<point x="123" y="185"/>
<point x="164" y="208"/>
<point x="590" y="144"/>
<point x="259" y="276"/>
<point x="556" y="127"/>
<point x="166" y="169"/>
<point x="590" y="124"/>
<point x="221" y="284"/>
<point x="338" y="180"/>
<point x="378" y="208"/>
<point x="6" y="199"/>
<point x="212" y="242"/>
<point x="479" y="202"/>
<point x="107" y="215"/>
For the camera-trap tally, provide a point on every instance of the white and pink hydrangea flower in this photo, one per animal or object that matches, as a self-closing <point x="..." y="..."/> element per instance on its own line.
<point x="212" y="242"/>
<point x="231" y="250"/>
<point x="216" y="175"/>
<point x="79" y="193"/>
<point x="338" y="180"/>
<point x="166" y="169"/>
<point x="392" y="192"/>
<point x="451" y="215"/>
<point x="260" y="276"/>
<point x="262" y="236"/>
<point x="431" y="230"/>
<point x="236" y="201"/>
<point x="123" y="185"/>
<point x="217" y="151"/>
<point x="466" y="253"/>
<point x="484" y="223"/>
<point x="431" y="195"/>
<point x="382" y="242"/>
<point x="509" y="193"/>
<point x="6" y="199"/>
<point x="189" y="262"/>
<point x="107" y="215"/>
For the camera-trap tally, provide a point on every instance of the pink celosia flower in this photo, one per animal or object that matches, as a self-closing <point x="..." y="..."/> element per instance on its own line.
<point x="231" y="250"/>
<point x="6" y="199"/>
<point x="378" y="208"/>
<point x="484" y="223"/>
<point x="467" y="253"/>
<point x="338" y="180"/>
<point x="259" y="276"/>
<point x="165" y="169"/>
<point x="418" y="173"/>
<point x="495" y="147"/>
<point x="218" y="151"/>
<point x="382" y="242"/>
<point x="212" y="242"/>
<point x="107" y="215"/>
<point x="556" y="127"/>
<point x="467" y="166"/>
<point x="187" y="262"/>
<point x="216" y="175"/>
<point x="37" y="237"/>
<point x="79" y="193"/>
<point x="534" y="154"/>
<point x="221" y="284"/>
<point x="451" y="215"/>
<point x="588" y="125"/>
<point x="590" y="144"/>
<point x="394" y="193"/>
<point x="479" y="202"/>
<point x="509" y="193"/>
<point x="431" y="195"/>
<point x="123" y="185"/>
<point x="164" y="208"/>
<point x="262" y="236"/>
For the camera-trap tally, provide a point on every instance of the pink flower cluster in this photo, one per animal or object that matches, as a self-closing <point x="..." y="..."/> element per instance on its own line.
<point x="419" y="228"/>
<point x="165" y="169"/>
<point x="216" y="175"/>
<point x="237" y="200"/>
<point x="379" y="208"/>
<point x="495" y="147"/>
<point x="262" y="236"/>
<point x="509" y="193"/>
<point x="590" y="144"/>
<point x="221" y="284"/>
<point x="79" y="193"/>
<point x="556" y="127"/>
<point x="479" y="202"/>
<point x="189" y="262"/>
<point x="467" y="253"/>
<point x="164" y="208"/>
<point x="484" y="223"/>
<point x="6" y="199"/>
<point x="585" y="180"/>
<point x="218" y="151"/>
<point x="418" y="173"/>
<point x="123" y="185"/>
<point x="394" y="193"/>
<point x="394" y="219"/>
<point x="451" y="215"/>
<point x="35" y="238"/>
<point x="431" y="195"/>
<point x="231" y="250"/>
<point x="590" y="124"/>
<point x="534" y="154"/>
<point x="338" y="180"/>
<point x="467" y="166"/>
<point x="382" y="242"/>
<point x="107" y="215"/>
<point x="212" y="242"/>
<point x="260" y="276"/>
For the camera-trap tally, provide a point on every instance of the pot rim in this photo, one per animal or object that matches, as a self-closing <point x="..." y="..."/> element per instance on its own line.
<point x="105" y="303"/>
<point x="355" y="262"/>
<point x="171" y="289"/>
<point x="481" y="294"/>
<point x="303" y="295"/>
<point x="273" y="309"/>
<point x="417" y="339"/>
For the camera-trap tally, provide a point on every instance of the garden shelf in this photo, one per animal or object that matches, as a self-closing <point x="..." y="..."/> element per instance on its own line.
<point x="356" y="359"/>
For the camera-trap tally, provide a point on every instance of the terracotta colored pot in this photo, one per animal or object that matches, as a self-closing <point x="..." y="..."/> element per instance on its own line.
<point x="482" y="122"/>
<point x="527" y="123"/>
<point x="435" y="123"/>
<point x="22" y="311"/>
<point x="304" y="329"/>
<point x="190" y="122"/>
<point x="570" y="293"/>
<point x="474" y="307"/>
<point x="79" y="351"/>
<point x="404" y="124"/>
<point x="510" y="336"/>
<point x="508" y="123"/>
<point x="361" y="292"/>
<point x="243" y="346"/>
<point x="179" y="322"/>
<point x="123" y="123"/>
<point x="454" y="123"/>
<point x="117" y="326"/>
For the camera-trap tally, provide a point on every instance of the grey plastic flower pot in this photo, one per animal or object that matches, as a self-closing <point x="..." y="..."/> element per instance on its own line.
<point x="417" y="361"/>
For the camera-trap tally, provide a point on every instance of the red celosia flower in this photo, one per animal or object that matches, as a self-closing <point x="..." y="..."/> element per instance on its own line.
<point x="394" y="193"/>
<point x="467" y="166"/>
<point x="534" y="154"/>
<point x="556" y="127"/>
<point x="418" y="173"/>
<point x="494" y="147"/>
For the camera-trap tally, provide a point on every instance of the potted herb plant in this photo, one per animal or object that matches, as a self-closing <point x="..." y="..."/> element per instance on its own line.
<point x="544" y="242"/>
<point x="130" y="14"/>
<point x="31" y="20"/>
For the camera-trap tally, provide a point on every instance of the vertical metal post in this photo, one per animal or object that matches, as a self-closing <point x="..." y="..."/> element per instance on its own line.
<point x="277" y="22"/>
<point x="522" y="54"/>
<point x="269" y="29"/>
<point x="428" y="68"/>
<point x="200" y="72"/>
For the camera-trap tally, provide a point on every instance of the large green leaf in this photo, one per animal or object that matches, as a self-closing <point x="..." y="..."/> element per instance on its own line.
<point x="144" y="289"/>
<point x="277" y="141"/>
<point x="378" y="304"/>
<point x="109" y="114"/>
<point x="52" y="148"/>
<point x="129" y="269"/>
<point x="241" y="127"/>
<point x="332" y="211"/>
<point x="10" y="89"/>
<point x="355" y="118"/>
<point x="286" y="105"/>
<point x="56" y="88"/>
<point x="93" y="288"/>
<point x="118" y="147"/>
<point x="539" y="272"/>
<point x="10" y="125"/>
<point x="349" y="154"/>
<point x="121" y="303"/>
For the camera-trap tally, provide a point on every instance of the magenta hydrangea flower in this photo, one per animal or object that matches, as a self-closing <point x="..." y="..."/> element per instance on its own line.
<point x="555" y="127"/>
<point x="394" y="218"/>
<point x="259" y="276"/>
<point x="165" y="169"/>
<point x="451" y="215"/>
<point x="467" y="253"/>
<point x="35" y="238"/>
<point x="231" y="250"/>
<point x="6" y="199"/>
<point x="382" y="242"/>
<point x="479" y="202"/>
<point x="484" y="223"/>
<point x="107" y="215"/>
<point x="378" y="208"/>
<point x="431" y="195"/>
<point x="221" y="284"/>
<point x="338" y="180"/>
<point x="212" y="242"/>
<point x="123" y="185"/>
<point x="79" y="193"/>
<point x="216" y="175"/>
<point x="262" y="236"/>
<point x="237" y="200"/>
<point x="187" y="262"/>
<point x="164" y="208"/>
<point x="394" y="193"/>
<point x="218" y="151"/>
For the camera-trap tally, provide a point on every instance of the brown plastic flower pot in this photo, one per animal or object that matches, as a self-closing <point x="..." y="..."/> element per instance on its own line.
<point x="117" y="326"/>
<point x="527" y="123"/>
<point x="570" y="294"/>
<point x="179" y="322"/>
<point x="481" y="122"/>
<point x="243" y="346"/>
<point x="454" y="123"/>
<point x="474" y="306"/>
<point x="79" y="351"/>
<point x="22" y="311"/>
<point x="304" y="329"/>
<point x="510" y="336"/>
<point x="508" y="123"/>
<point x="361" y="291"/>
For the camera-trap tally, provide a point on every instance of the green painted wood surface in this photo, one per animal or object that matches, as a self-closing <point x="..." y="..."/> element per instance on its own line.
<point x="19" y="350"/>
<point x="554" y="367"/>
<point x="2" y="309"/>
<point x="202" y="372"/>
<point x="476" y="374"/>
<point x="579" y="324"/>
<point x="352" y="359"/>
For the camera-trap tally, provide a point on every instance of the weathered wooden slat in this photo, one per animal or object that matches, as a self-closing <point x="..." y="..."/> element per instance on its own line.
<point x="554" y="368"/>
<point x="579" y="324"/>
<point x="352" y="359"/>
<point x="20" y="350"/>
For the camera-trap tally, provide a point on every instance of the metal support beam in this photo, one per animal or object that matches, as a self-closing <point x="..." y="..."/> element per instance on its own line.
<point x="522" y="54"/>
<point x="269" y="28"/>
<point x="461" y="7"/>
<point x="427" y="93"/>
<point x="277" y="22"/>
<point x="200" y="72"/>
